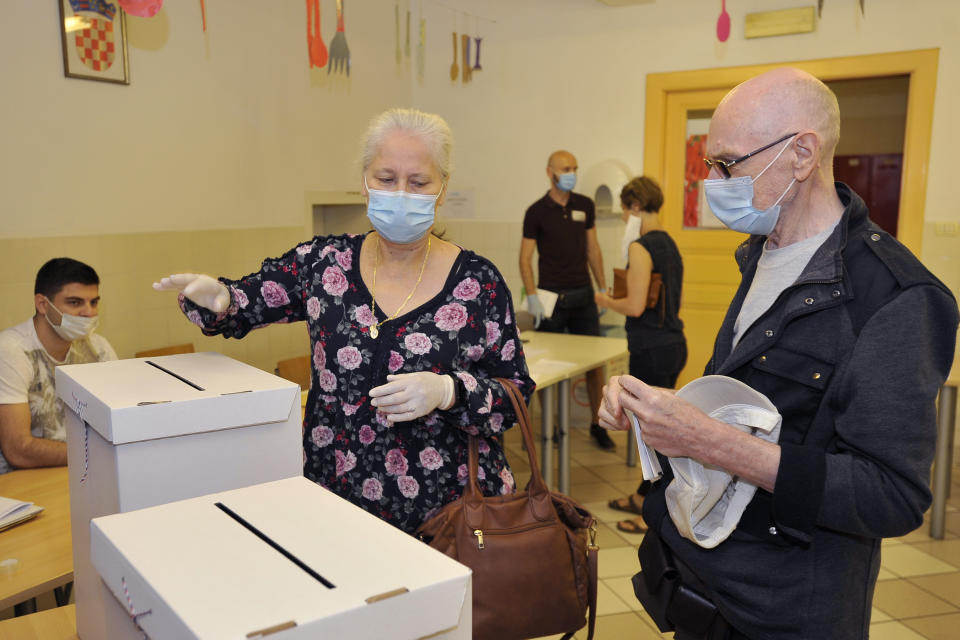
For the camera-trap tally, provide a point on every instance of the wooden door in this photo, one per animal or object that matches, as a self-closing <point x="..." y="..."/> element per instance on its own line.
<point x="710" y="274"/>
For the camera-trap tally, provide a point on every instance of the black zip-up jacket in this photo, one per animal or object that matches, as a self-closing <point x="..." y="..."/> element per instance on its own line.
<point x="853" y="356"/>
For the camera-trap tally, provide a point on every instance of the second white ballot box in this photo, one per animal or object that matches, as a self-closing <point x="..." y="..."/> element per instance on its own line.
<point x="284" y="560"/>
<point x="149" y="431"/>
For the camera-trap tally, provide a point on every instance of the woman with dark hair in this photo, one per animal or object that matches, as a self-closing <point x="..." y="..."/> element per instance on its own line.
<point x="658" y="348"/>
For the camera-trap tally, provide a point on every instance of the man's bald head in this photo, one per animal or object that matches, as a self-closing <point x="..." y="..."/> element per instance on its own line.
<point x="562" y="161"/>
<point x="779" y="102"/>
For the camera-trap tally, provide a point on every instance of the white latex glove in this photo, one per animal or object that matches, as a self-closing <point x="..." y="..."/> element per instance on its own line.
<point x="408" y="396"/>
<point x="535" y="308"/>
<point x="199" y="288"/>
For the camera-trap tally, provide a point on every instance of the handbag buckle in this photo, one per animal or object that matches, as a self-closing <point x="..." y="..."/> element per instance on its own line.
<point x="592" y="543"/>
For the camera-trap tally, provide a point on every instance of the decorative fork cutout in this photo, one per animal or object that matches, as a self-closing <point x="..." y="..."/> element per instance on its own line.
<point x="339" y="52"/>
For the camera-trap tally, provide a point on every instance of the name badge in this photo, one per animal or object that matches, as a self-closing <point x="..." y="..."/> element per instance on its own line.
<point x="578" y="216"/>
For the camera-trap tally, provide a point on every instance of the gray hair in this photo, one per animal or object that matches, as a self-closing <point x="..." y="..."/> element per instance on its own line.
<point x="431" y="128"/>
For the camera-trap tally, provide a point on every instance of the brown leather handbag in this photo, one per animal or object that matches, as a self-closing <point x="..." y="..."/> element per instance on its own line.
<point x="533" y="553"/>
<point x="653" y="291"/>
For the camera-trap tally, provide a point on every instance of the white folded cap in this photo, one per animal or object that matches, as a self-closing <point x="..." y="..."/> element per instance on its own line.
<point x="706" y="503"/>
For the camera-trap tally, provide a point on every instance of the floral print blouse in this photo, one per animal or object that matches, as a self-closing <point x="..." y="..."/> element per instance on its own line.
<point x="401" y="473"/>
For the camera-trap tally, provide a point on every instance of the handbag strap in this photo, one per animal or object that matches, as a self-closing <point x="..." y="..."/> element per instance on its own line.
<point x="537" y="486"/>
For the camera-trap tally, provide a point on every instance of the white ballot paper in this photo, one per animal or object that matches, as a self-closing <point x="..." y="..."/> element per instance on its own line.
<point x="649" y="464"/>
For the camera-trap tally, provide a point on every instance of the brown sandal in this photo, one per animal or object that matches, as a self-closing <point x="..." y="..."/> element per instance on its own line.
<point x="631" y="504"/>
<point x="637" y="525"/>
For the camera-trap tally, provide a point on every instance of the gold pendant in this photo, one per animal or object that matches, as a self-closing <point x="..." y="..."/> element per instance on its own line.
<point x="374" y="332"/>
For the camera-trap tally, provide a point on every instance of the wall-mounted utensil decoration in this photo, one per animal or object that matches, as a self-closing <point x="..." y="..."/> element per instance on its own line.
<point x="723" y="22"/>
<point x="476" y="56"/>
<point x="316" y="49"/>
<point x="406" y="47"/>
<point x="339" y="51"/>
<point x="421" y="45"/>
<point x="203" y="15"/>
<point x="465" y="50"/>
<point x="454" y="69"/>
<point x="863" y="11"/>
<point x="819" y="8"/>
<point x="396" y="22"/>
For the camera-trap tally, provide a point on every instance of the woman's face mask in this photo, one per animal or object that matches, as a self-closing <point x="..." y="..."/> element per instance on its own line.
<point x="70" y="327"/>
<point x="731" y="200"/>
<point x="400" y="216"/>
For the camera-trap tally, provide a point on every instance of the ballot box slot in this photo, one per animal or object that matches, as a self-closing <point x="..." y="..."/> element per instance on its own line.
<point x="276" y="546"/>
<point x="178" y="377"/>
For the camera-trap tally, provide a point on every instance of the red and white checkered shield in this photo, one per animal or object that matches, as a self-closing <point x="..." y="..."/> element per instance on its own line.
<point x="95" y="44"/>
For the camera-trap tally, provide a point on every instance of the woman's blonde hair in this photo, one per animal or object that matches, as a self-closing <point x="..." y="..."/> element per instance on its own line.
<point x="431" y="128"/>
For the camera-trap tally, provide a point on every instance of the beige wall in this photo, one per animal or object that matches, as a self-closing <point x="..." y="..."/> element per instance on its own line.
<point x="227" y="131"/>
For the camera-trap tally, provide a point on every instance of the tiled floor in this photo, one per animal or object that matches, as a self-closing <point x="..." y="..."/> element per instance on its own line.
<point x="917" y="595"/>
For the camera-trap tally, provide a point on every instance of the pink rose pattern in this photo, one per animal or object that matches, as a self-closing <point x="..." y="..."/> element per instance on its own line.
<point x="319" y="356"/>
<point x="334" y="282"/>
<point x="367" y="435"/>
<point x="345" y="461"/>
<point x="274" y="294"/>
<point x="349" y="358"/>
<point x="451" y="317"/>
<point x="395" y="361"/>
<point x="396" y="463"/>
<point x="401" y="472"/>
<point x="313" y="308"/>
<point x="364" y="316"/>
<point x="467" y="290"/>
<point x="418" y="343"/>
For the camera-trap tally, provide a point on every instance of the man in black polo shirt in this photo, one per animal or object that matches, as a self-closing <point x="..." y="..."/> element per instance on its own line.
<point x="560" y="225"/>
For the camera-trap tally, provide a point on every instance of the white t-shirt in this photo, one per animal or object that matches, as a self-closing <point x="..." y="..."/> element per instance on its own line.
<point x="777" y="269"/>
<point x="27" y="375"/>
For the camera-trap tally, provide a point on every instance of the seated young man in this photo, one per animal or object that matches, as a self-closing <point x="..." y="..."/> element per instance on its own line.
<point x="66" y="298"/>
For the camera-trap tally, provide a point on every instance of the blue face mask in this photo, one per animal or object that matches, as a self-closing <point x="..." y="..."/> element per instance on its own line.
<point x="400" y="216"/>
<point x="731" y="200"/>
<point x="567" y="181"/>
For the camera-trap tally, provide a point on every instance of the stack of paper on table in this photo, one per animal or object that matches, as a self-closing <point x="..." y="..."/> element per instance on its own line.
<point x="15" y="511"/>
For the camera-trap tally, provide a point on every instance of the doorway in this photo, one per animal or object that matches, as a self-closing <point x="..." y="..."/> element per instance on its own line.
<point x="678" y="103"/>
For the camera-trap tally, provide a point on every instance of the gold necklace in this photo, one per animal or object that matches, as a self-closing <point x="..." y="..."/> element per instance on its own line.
<point x="375" y="329"/>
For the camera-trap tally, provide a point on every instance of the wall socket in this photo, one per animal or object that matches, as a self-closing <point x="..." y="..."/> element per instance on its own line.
<point x="945" y="229"/>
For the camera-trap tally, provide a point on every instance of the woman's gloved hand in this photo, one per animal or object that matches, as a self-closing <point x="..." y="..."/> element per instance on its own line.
<point x="201" y="289"/>
<point x="408" y="396"/>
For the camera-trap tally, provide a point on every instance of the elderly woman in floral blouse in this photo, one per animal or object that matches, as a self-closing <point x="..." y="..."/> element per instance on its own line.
<point x="407" y="331"/>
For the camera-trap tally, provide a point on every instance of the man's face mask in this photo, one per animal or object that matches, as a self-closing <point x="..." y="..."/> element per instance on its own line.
<point x="731" y="200"/>
<point x="69" y="327"/>
<point x="400" y="216"/>
<point x="567" y="181"/>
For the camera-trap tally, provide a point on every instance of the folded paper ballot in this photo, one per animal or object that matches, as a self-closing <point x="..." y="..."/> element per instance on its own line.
<point x="649" y="464"/>
<point x="15" y="511"/>
<point x="548" y="299"/>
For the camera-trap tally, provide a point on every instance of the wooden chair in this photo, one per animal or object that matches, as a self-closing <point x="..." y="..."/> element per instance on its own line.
<point x="165" y="351"/>
<point x="295" y="370"/>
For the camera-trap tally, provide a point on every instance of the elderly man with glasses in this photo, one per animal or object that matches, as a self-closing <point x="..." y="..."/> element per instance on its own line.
<point x="849" y="336"/>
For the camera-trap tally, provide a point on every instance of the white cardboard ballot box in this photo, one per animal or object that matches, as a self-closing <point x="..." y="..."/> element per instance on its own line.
<point x="286" y="560"/>
<point x="148" y="431"/>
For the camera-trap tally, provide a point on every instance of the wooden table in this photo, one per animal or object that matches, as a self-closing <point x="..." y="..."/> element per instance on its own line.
<point x="554" y="359"/>
<point x="42" y="545"/>
<point x="943" y="462"/>
<point x="53" y="624"/>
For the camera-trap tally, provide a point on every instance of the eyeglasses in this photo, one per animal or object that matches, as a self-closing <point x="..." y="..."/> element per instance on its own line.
<point x="724" y="167"/>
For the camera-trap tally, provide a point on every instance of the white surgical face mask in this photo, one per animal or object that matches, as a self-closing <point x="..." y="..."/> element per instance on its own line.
<point x="731" y="200"/>
<point x="400" y="216"/>
<point x="71" y="327"/>
<point x="631" y="232"/>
